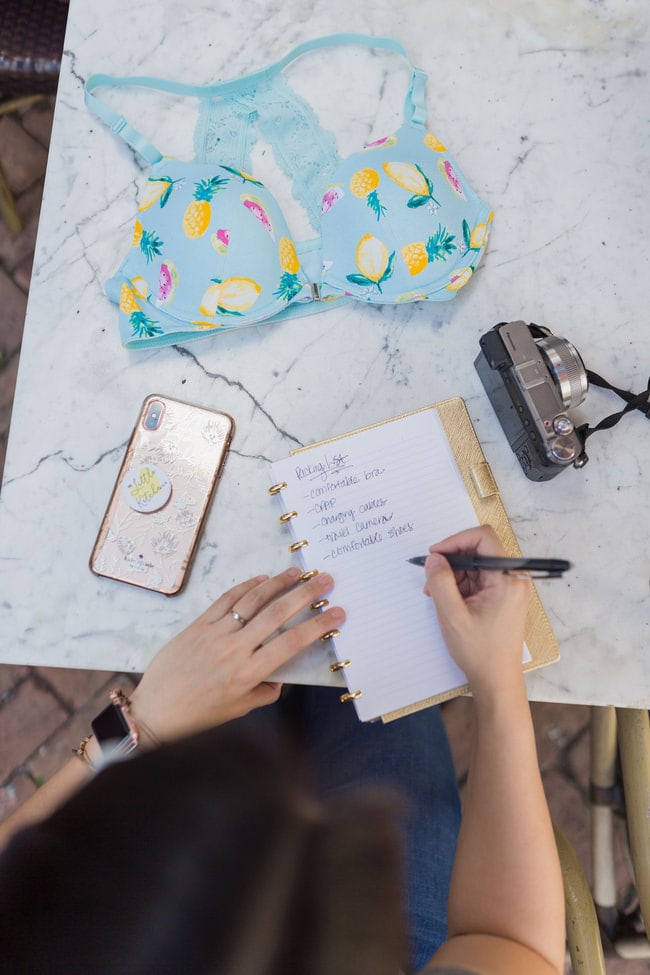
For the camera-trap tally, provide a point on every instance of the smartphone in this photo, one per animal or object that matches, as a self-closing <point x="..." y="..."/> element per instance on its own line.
<point x="162" y="494"/>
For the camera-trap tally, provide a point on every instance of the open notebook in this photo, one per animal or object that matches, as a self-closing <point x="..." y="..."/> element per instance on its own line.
<point x="359" y="506"/>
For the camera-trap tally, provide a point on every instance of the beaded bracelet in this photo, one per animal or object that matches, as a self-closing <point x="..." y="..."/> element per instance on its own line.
<point x="81" y="753"/>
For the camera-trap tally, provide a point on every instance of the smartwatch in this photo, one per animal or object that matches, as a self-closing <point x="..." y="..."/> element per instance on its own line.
<point x="114" y="732"/>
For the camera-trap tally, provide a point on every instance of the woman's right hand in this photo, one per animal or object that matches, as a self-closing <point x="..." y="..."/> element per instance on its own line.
<point x="482" y="614"/>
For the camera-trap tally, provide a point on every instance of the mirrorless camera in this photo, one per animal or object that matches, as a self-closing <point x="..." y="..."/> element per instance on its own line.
<point x="532" y="378"/>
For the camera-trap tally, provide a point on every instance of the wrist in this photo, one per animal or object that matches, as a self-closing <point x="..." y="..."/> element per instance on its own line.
<point x="499" y="693"/>
<point x="89" y="753"/>
<point x="92" y="754"/>
<point x="147" y="719"/>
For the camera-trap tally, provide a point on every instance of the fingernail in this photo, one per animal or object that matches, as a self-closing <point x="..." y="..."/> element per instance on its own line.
<point x="337" y="614"/>
<point x="434" y="561"/>
<point x="325" y="580"/>
<point x="293" y="572"/>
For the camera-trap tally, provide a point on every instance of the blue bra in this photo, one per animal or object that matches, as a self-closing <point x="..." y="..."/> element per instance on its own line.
<point x="211" y="249"/>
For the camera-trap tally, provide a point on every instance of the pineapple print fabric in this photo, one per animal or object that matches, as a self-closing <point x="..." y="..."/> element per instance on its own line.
<point x="401" y="223"/>
<point x="212" y="251"/>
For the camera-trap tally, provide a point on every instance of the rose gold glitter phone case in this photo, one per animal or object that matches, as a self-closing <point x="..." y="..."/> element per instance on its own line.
<point x="162" y="494"/>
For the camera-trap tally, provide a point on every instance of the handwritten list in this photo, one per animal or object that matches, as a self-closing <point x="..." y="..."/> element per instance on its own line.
<point x="366" y="503"/>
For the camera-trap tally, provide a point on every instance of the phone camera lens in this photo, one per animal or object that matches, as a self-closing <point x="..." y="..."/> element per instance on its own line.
<point x="153" y="416"/>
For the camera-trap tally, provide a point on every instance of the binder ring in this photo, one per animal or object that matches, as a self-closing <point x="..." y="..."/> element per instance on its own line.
<point x="297" y="545"/>
<point x="308" y="575"/>
<point x="320" y="603"/>
<point x="351" y="696"/>
<point x="287" y="516"/>
<point x="276" y="488"/>
<point x="340" y="665"/>
<point x="329" y="635"/>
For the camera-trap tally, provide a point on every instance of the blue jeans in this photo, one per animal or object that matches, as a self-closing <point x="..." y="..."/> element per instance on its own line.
<point x="410" y="756"/>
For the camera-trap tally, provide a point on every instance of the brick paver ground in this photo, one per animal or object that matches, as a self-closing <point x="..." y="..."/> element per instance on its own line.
<point x="45" y="711"/>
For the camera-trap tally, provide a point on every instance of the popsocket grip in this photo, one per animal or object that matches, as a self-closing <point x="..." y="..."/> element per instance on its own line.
<point x="146" y="488"/>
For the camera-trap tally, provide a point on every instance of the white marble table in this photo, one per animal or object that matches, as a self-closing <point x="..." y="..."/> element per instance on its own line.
<point x="547" y="111"/>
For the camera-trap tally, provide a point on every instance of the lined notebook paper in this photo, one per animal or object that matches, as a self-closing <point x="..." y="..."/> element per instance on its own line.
<point x="365" y="503"/>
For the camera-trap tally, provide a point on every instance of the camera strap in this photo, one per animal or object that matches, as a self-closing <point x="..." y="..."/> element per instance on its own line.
<point x="634" y="401"/>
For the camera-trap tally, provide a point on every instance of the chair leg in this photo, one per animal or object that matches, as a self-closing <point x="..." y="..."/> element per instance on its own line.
<point x="20" y="103"/>
<point x="602" y="781"/>
<point x="8" y="210"/>
<point x="634" y="750"/>
<point x="583" y="934"/>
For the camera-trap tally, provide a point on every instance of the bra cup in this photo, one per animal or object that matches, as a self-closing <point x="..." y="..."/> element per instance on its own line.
<point x="210" y="248"/>
<point x="401" y="223"/>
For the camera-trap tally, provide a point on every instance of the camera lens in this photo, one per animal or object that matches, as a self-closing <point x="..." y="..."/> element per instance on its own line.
<point x="567" y="369"/>
<point x="153" y="415"/>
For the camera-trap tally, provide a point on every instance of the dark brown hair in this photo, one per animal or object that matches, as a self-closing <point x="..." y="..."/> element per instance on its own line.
<point x="206" y="856"/>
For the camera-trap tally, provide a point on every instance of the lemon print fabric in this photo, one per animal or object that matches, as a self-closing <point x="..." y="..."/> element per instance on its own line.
<point x="405" y="225"/>
<point x="476" y="238"/>
<point x="415" y="181"/>
<point x="158" y="190"/>
<point x="210" y="251"/>
<point x="433" y="143"/>
<point x="374" y="263"/>
<point x="234" y="296"/>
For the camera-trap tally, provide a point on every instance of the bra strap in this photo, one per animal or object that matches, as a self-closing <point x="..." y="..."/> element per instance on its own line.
<point x="414" y="107"/>
<point x="116" y="122"/>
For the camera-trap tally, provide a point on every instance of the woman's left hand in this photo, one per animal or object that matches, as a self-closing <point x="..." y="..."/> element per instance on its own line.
<point x="218" y="668"/>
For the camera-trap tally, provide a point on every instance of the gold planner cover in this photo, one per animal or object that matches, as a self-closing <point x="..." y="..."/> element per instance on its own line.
<point x="484" y="495"/>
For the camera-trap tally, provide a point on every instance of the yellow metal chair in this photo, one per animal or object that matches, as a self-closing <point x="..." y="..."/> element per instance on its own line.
<point x="582" y="929"/>
<point x="620" y="757"/>
<point x="620" y="754"/>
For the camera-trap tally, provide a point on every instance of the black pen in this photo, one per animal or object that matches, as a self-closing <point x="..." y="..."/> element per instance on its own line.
<point x="551" y="568"/>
